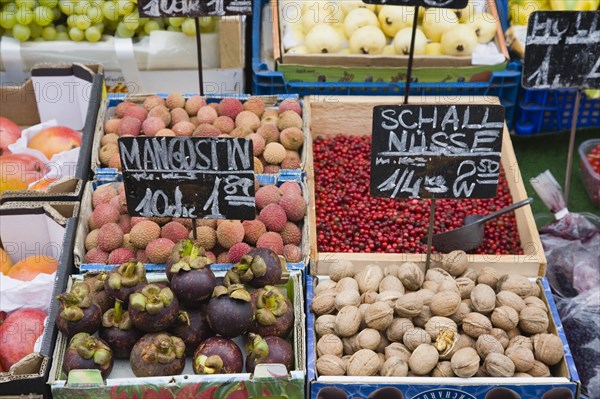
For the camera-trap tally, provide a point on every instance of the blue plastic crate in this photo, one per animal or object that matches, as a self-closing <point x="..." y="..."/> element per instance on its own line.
<point x="504" y="84"/>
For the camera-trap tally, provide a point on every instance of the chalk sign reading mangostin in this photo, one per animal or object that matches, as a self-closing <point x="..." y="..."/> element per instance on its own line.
<point x="436" y="151"/>
<point x="188" y="177"/>
<point x="193" y="8"/>
<point x="422" y="3"/>
<point x="562" y="50"/>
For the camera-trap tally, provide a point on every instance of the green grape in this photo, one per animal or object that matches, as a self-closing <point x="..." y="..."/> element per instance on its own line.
<point x="21" y="32"/>
<point x="7" y="19"/>
<point x="189" y="27"/>
<point x="25" y="3"/>
<point x="76" y="34"/>
<point x="94" y="13"/>
<point x="61" y="28"/>
<point x="132" y="21"/>
<point x="49" y="3"/>
<point x="43" y="16"/>
<point x="24" y="16"/>
<point x="122" y="31"/>
<point x="62" y="36"/>
<point x="110" y="11"/>
<point x="71" y="20"/>
<point x="142" y="35"/>
<point x="144" y="21"/>
<point x="160" y="22"/>
<point x="93" y="34"/>
<point x="172" y="28"/>
<point x="57" y="13"/>
<point x="152" y="25"/>
<point x="125" y="7"/>
<point x="82" y="7"/>
<point x="82" y="22"/>
<point x="49" y="33"/>
<point x="208" y="24"/>
<point x="67" y="6"/>
<point x="176" y="21"/>
<point x="36" y="30"/>
<point x="10" y="7"/>
<point x="97" y="3"/>
<point x="99" y="26"/>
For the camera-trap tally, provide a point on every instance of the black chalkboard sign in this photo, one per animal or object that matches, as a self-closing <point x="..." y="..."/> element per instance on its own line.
<point x="188" y="177"/>
<point x="422" y="3"/>
<point x="562" y="50"/>
<point x="436" y="151"/>
<point x="193" y="8"/>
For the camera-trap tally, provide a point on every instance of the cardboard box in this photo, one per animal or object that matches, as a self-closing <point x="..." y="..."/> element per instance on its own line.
<point x="378" y="68"/>
<point x="55" y="223"/>
<point x="18" y="103"/>
<point x="268" y="381"/>
<point x="331" y="115"/>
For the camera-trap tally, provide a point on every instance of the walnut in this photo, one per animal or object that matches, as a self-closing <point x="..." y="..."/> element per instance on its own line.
<point x="487" y="344"/>
<point x="465" y="286"/>
<point x="411" y="276"/>
<point x="351" y="345"/>
<point x="469" y="303"/>
<point x="499" y="365"/>
<point x="501" y="336"/>
<point x="539" y="369"/>
<point x="425" y="295"/>
<point x="488" y="276"/>
<point x="471" y="274"/>
<point x="340" y="268"/>
<point x="437" y="324"/>
<point x="548" y="349"/>
<point x="515" y="332"/>
<point x="505" y="317"/>
<point x="437" y="275"/>
<point x="463" y="341"/>
<point x="536" y="302"/>
<point x="520" y="340"/>
<point x="363" y="309"/>
<point x="536" y="291"/>
<point x="445" y="342"/>
<point x="323" y="303"/>
<point x="443" y="370"/>
<point x="369" y="279"/>
<point x="445" y="303"/>
<point x="460" y="314"/>
<point x="324" y="285"/>
<point x="516" y="283"/>
<point x="391" y="270"/>
<point x="415" y="337"/>
<point x="325" y="325"/>
<point x="465" y="362"/>
<point x="431" y="286"/>
<point x="423" y="317"/>
<point x="347" y="321"/>
<point x="423" y="359"/>
<point x="381" y="360"/>
<point x="476" y="324"/>
<point x="379" y="316"/>
<point x="365" y="362"/>
<point x="483" y="298"/>
<point x="533" y="320"/>
<point x="368" y="339"/>
<point x="391" y="283"/>
<point x="389" y="297"/>
<point x="522" y="375"/>
<point x="449" y="285"/>
<point x="330" y="365"/>
<point x="507" y="298"/>
<point x="395" y="332"/>
<point x="397" y="349"/>
<point x="394" y="367"/>
<point x="369" y="297"/>
<point x="383" y="342"/>
<point x="522" y="358"/>
<point x="346" y="284"/>
<point x="347" y="298"/>
<point x="330" y="344"/>
<point x="482" y="372"/>
<point x="455" y="263"/>
<point x="408" y="305"/>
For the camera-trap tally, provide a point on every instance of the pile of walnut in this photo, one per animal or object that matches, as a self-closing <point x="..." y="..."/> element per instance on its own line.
<point x="451" y="321"/>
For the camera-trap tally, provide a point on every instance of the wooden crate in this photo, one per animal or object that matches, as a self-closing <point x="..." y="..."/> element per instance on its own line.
<point x="334" y="115"/>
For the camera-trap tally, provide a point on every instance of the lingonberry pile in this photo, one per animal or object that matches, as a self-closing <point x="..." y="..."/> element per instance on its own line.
<point x="350" y="220"/>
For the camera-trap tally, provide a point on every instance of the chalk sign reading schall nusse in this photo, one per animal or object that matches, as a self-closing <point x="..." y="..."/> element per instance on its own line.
<point x="193" y="8"/>
<point x="562" y="50"/>
<point x="456" y="4"/>
<point x="188" y="177"/>
<point x="436" y="151"/>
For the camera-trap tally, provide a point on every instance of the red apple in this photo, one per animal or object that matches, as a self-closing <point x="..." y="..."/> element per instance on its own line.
<point x="54" y="140"/>
<point x="17" y="171"/>
<point x="18" y="334"/>
<point x="9" y="133"/>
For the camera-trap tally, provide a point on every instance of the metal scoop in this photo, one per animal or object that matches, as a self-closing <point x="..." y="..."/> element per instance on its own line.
<point x="470" y="236"/>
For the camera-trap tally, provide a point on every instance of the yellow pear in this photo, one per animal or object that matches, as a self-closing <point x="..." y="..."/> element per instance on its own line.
<point x="358" y="18"/>
<point x="389" y="50"/>
<point x="323" y="39"/>
<point x="367" y="40"/>
<point x="460" y="40"/>
<point x="433" y="48"/>
<point x="403" y="39"/>
<point x="485" y="26"/>
<point x="395" y="18"/>
<point x="437" y="21"/>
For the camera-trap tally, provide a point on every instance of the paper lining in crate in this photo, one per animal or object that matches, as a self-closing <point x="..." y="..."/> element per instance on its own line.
<point x="267" y="380"/>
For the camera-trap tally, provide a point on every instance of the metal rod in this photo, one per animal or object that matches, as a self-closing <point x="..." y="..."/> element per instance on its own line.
<point x="199" y="51"/>
<point x="430" y="233"/>
<point x="572" y="146"/>
<point x="194" y="229"/>
<point x="411" y="54"/>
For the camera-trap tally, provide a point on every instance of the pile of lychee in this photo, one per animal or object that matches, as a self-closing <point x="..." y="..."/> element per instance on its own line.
<point x="276" y="132"/>
<point x="115" y="237"/>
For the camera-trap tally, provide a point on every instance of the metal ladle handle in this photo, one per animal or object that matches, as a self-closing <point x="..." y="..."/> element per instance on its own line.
<point x="512" y="207"/>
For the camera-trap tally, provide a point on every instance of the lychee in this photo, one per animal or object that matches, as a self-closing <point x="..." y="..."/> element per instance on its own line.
<point x="141" y="256"/>
<point x="103" y="214"/>
<point x="122" y="201"/>
<point x="159" y="250"/>
<point x="185" y="222"/>
<point x="160" y="221"/>
<point x="273" y="216"/>
<point x="291" y="163"/>
<point x="114" y="162"/>
<point x="230" y="107"/>
<point x="165" y="133"/>
<point x="291" y="138"/>
<point x="270" y="114"/>
<point x="238" y="250"/>
<point x="137" y="219"/>
<point x="193" y="105"/>
<point x="258" y="143"/>
<point x="96" y="255"/>
<point x="207" y="114"/>
<point x="206" y="130"/>
<point x="290" y="187"/>
<point x="248" y="120"/>
<point x="258" y="166"/>
<point x="241" y="132"/>
<point x="153" y="101"/>
<point x="136" y="112"/>
<point x="290" y="105"/>
<point x="271" y="169"/>
<point x="130" y="126"/>
<point x="255" y="105"/>
<point x="110" y="237"/>
<point x="112" y="126"/>
<point x="183" y="128"/>
<point x="114" y="202"/>
<point x="120" y="256"/>
<point x="175" y="100"/>
<point x="212" y="223"/>
<point x="272" y="241"/>
<point x="153" y="125"/>
<point x="207" y="237"/>
<point x="253" y="229"/>
<point x="194" y="120"/>
<point x="106" y="152"/>
<point x="291" y="234"/>
<point x="294" y="207"/>
<point x="110" y="138"/>
<point x="289" y="119"/>
<point x="214" y="106"/>
<point x="174" y="231"/>
<point x="269" y="132"/>
<point x="103" y="195"/>
<point x="179" y="115"/>
<point x="122" y="107"/>
<point x="266" y="195"/>
<point x="210" y="255"/>
<point x="161" y="112"/>
<point x="125" y="223"/>
<point x="292" y="253"/>
<point x="91" y="240"/>
<point x="127" y="243"/>
<point x="274" y="153"/>
<point x="143" y="232"/>
<point x="230" y="232"/>
<point x="223" y="258"/>
<point x="225" y="124"/>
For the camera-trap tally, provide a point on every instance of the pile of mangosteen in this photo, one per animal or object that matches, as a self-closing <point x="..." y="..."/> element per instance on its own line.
<point x="120" y="315"/>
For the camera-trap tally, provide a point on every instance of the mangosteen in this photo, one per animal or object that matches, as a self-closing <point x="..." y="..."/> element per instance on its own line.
<point x="99" y="294"/>
<point x="386" y="393"/>
<point x="259" y="267"/>
<point x="192" y="327"/>
<point x="218" y="355"/>
<point x="157" y="354"/>
<point x="88" y="352"/>
<point x="192" y="281"/>
<point x="78" y="312"/>
<point x="185" y="253"/>
<point x="273" y="312"/>
<point x="229" y="311"/>
<point x="271" y="350"/>
<point x="118" y="331"/>
<point x="123" y="280"/>
<point x="153" y="308"/>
